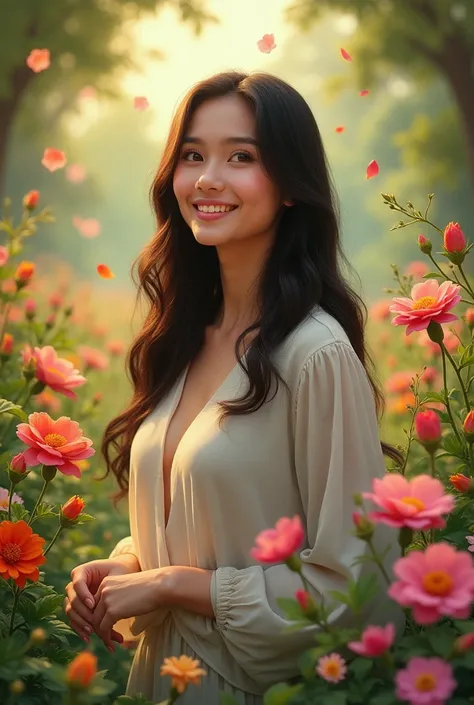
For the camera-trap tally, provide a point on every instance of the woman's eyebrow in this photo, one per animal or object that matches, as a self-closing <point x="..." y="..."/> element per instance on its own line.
<point x="227" y="140"/>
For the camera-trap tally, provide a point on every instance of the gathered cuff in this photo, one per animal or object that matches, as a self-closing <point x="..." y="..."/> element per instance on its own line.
<point x="222" y="589"/>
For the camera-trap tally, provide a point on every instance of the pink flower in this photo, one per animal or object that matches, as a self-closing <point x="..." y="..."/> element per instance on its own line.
<point x="267" y="43"/>
<point x="59" y="443"/>
<point x="399" y="381"/>
<point x="454" y="238"/>
<point x="56" y="372"/>
<point x="435" y="583"/>
<point x="417" y="503"/>
<point x="380" y="310"/>
<point x="303" y="598"/>
<point x="88" y="227"/>
<point x="38" y="60"/>
<point x="470" y="540"/>
<point x="429" y="302"/>
<point x="16" y="499"/>
<point x="4" y="254"/>
<point x="76" y="173"/>
<point x="140" y="102"/>
<point x="464" y="642"/>
<point x="425" y="681"/>
<point x="115" y="347"/>
<point x="278" y="544"/>
<point x="428" y="426"/>
<point x="332" y="668"/>
<point x="53" y="159"/>
<point x="95" y="359"/>
<point x="374" y="641"/>
<point x="18" y="463"/>
<point x="417" y="269"/>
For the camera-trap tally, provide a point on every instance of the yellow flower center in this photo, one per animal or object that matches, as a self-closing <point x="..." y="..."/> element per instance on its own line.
<point x="438" y="582"/>
<point x="11" y="553"/>
<point x="55" y="440"/>
<point x="425" y="683"/>
<point x="425" y="302"/>
<point x="55" y="371"/>
<point x="332" y="669"/>
<point x="414" y="502"/>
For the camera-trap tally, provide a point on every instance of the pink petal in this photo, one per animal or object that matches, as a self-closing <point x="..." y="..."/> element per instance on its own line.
<point x="372" y="169"/>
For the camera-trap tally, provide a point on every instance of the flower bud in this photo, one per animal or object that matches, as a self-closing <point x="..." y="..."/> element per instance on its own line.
<point x="364" y="528"/>
<point x="23" y="274"/>
<point x="435" y="332"/>
<point x="38" y="636"/>
<point x="18" y="464"/>
<point x="56" y="301"/>
<point x="50" y="321"/>
<point x="469" y="317"/>
<point x="424" y="244"/>
<point x="428" y="429"/>
<point x="454" y="238"/>
<point x="48" y="472"/>
<point x="307" y="604"/>
<point x="30" y="201"/>
<point x="17" y="687"/>
<point x="6" y="347"/>
<point x="73" y="507"/>
<point x="82" y="670"/>
<point x="461" y="482"/>
<point x="4" y="255"/>
<point x="464" y="642"/>
<point x="468" y="427"/>
<point x="30" y="309"/>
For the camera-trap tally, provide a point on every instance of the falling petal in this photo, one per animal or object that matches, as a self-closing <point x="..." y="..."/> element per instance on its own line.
<point x="38" y="60"/>
<point x="340" y="128"/>
<point x="345" y="55"/>
<point x="372" y="169"/>
<point x="88" y="227"/>
<point x="76" y="173"/>
<point x="104" y="271"/>
<point x="88" y="93"/>
<point x="267" y="43"/>
<point x="53" y="159"/>
<point x="140" y="103"/>
<point x="365" y="92"/>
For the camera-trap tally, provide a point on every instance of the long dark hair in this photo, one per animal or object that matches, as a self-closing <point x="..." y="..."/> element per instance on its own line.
<point x="181" y="278"/>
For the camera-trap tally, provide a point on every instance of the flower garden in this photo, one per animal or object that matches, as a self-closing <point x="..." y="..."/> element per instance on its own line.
<point x="51" y="360"/>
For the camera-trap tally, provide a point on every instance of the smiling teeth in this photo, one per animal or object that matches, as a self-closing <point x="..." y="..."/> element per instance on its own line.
<point x="215" y="209"/>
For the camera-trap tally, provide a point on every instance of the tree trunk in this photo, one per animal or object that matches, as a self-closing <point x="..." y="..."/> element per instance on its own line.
<point x="19" y="79"/>
<point x="456" y="61"/>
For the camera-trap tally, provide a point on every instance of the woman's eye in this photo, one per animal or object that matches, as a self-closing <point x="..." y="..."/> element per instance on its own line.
<point x="246" y="155"/>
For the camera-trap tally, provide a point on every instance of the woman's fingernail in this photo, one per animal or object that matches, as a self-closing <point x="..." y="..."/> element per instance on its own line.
<point x="87" y="629"/>
<point x="111" y="649"/>
<point x="89" y="602"/>
<point x="86" y="639"/>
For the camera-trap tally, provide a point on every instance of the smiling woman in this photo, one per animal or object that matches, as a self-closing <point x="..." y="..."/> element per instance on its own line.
<point x="249" y="315"/>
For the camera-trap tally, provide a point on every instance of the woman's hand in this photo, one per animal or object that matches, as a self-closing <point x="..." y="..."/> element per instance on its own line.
<point x="85" y="581"/>
<point x="122" y="596"/>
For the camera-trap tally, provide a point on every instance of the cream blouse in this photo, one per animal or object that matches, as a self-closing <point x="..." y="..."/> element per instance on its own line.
<point x="306" y="453"/>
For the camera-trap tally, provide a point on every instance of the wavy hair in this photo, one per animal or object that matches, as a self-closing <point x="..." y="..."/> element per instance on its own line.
<point x="181" y="278"/>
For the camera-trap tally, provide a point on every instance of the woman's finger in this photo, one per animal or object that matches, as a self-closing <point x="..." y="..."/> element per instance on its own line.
<point x="79" y="582"/>
<point x="79" y="607"/>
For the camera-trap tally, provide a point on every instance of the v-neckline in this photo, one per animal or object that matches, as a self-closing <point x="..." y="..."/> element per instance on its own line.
<point x="177" y="396"/>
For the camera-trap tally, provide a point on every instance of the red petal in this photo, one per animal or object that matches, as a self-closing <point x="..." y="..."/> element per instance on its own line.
<point x="363" y="93"/>
<point x="340" y="128"/>
<point x="345" y="55"/>
<point x="372" y="169"/>
<point x="104" y="271"/>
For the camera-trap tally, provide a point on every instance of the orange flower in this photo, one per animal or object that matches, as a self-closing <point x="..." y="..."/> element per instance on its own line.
<point x="53" y="159"/>
<point x="31" y="199"/>
<point x="21" y="552"/>
<point x="38" y="60"/>
<point x="6" y="347"/>
<point x="25" y="271"/>
<point x="73" y="507"/>
<point x="339" y="129"/>
<point x="82" y="669"/>
<point x="183" y="670"/>
<point x="104" y="271"/>
<point x="460" y="482"/>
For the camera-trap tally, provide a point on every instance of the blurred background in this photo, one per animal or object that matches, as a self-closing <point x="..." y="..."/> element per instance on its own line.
<point x="405" y="100"/>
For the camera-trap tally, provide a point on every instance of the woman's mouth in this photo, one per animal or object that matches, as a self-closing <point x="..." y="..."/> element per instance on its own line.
<point x="213" y="212"/>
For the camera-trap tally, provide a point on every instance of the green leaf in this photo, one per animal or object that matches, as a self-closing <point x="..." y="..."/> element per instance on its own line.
<point x="281" y="693"/>
<point x="227" y="699"/>
<point x="434" y="396"/>
<point x="466" y="363"/>
<point x="19" y="512"/>
<point x="361" y="667"/>
<point x="338" y="697"/>
<point x="430" y="275"/>
<point x="290" y="608"/>
<point x="384" y="699"/>
<point x="8" y="407"/>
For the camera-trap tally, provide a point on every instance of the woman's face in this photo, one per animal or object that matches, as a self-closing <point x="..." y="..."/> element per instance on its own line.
<point x="219" y="163"/>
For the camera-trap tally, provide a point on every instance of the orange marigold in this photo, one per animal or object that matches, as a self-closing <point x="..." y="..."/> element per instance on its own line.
<point x="21" y="552"/>
<point x="183" y="670"/>
<point x="82" y="669"/>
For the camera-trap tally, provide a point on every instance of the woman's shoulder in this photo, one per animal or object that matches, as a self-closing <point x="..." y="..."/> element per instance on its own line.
<point x="317" y="331"/>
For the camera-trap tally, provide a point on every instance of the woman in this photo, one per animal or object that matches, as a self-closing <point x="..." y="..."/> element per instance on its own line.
<point x="250" y="314"/>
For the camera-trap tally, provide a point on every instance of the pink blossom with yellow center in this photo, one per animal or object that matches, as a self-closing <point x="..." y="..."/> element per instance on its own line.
<point x="374" y="641"/>
<point x="278" y="544"/>
<point x="332" y="668"/>
<point x="418" y="503"/>
<point x="429" y="301"/>
<point x="425" y="681"/>
<point x="435" y="583"/>
<point x="4" y="494"/>
<point x="56" y="372"/>
<point x="58" y="443"/>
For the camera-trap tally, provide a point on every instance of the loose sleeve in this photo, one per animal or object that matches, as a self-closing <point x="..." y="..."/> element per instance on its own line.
<point x="337" y="452"/>
<point x="123" y="626"/>
<point x="125" y="545"/>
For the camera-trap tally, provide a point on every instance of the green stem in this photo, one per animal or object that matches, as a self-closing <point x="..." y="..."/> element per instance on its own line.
<point x="15" y="603"/>
<point x="466" y="280"/>
<point x="432" y="464"/>
<point x="53" y="540"/>
<point x="41" y="495"/>
<point x="471" y="458"/>
<point x="378" y="562"/>
<point x="458" y="375"/>
<point x="448" y="405"/>
<point x="10" y="497"/>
